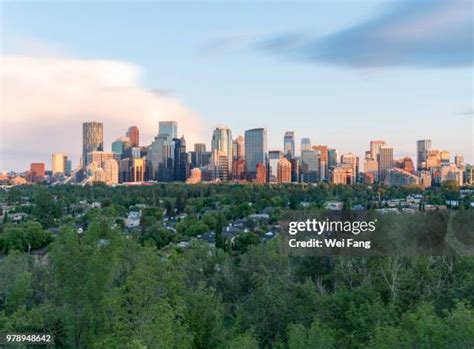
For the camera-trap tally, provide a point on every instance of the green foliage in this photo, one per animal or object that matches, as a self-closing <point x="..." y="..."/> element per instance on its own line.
<point x="46" y="209"/>
<point x="24" y="237"/>
<point x="317" y="336"/>
<point x="191" y="227"/>
<point x="246" y="341"/>
<point x="245" y="240"/>
<point x="105" y="289"/>
<point x="157" y="235"/>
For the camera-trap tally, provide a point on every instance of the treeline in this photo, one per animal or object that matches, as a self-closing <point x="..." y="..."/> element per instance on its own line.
<point x="49" y="204"/>
<point x="102" y="289"/>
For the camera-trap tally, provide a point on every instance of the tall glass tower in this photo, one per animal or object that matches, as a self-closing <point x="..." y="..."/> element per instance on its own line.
<point x="289" y="144"/>
<point x="92" y="139"/>
<point x="255" y="149"/>
<point x="169" y="128"/>
<point x="305" y="144"/>
<point x="222" y="143"/>
<point x="422" y="147"/>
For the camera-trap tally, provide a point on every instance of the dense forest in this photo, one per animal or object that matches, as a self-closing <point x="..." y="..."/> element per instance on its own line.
<point x="107" y="288"/>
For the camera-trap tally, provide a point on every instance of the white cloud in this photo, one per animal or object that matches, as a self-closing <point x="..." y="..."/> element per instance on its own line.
<point x="44" y="100"/>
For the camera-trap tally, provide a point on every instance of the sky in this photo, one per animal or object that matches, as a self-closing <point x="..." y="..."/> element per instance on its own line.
<point x="340" y="73"/>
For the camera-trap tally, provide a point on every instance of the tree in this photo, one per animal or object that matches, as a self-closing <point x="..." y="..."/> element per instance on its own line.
<point x="244" y="240"/>
<point x="246" y="341"/>
<point x="147" y="309"/>
<point x="157" y="235"/>
<point x="83" y="267"/>
<point x="205" y="317"/>
<point x="180" y="202"/>
<point x="317" y="336"/>
<point x="46" y="209"/>
<point x="219" y="229"/>
<point x="24" y="237"/>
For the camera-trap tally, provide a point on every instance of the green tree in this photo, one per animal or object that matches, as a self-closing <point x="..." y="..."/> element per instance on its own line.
<point x="46" y="209"/>
<point x="83" y="268"/>
<point x="244" y="240"/>
<point x="317" y="336"/>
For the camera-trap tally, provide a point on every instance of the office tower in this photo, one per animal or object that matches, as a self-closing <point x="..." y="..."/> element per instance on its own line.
<point x="220" y="165"/>
<point x="160" y="163"/>
<point x="37" y="172"/>
<point x="100" y="156"/>
<point x="452" y="173"/>
<point x="206" y="158"/>
<point x="332" y="158"/>
<point x="343" y="174"/>
<point x="371" y="169"/>
<point x="425" y="179"/>
<point x="399" y="177"/>
<point x="132" y="170"/>
<point x="432" y="159"/>
<point x="459" y="160"/>
<point x="222" y="143"/>
<point x="135" y="152"/>
<point x="169" y="128"/>
<point x="422" y="146"/>
<point x="68" y="168"/>
<point x="295" y="170"/>
<point x="261" y="173"/>
<point x="310" y="166"/>
<point x="92" y="139"/>
<point x="199" y="147"/>
<point x="305" y="144"/>
<point x="137" y="170"/>
<point x="58" y="163"/>
<point x="385" y="160"/>
<point x="239" y="148"/>
<point x="374" y="148"/>
<point x="95" y="173"/>
<point x="352" y="160"/>
<point x="196" y="156"/>
<point x="405" y="164"/>
<point x="323" y="162"/>
<point x="444" y="157"/>
<point x="181" y="165"/>
<point x="124" y="170"/>
<point x="195" y="176"/>
<point x="111" y="171"/>
<point x="134" y="135"/>
<point x="238" y="169"/>
<point x="121" y="146"/>
<point x="255" y="150"/>
<point x="274" y="157"/>
<point x="289" y="144"/>
<point x="284" y="171"/>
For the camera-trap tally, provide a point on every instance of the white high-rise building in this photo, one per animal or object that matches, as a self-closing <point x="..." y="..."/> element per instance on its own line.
<point x="223" y="144"/>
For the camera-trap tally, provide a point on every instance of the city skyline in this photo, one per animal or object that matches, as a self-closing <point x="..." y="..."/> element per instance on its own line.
<point x="94" y="131"/>
<point x="297" y="68"/>
<point x="168" y="159"/>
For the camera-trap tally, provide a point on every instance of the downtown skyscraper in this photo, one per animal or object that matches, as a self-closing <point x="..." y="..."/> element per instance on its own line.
<point x="169" y="128"/>
<point x="134" y="135"/>
<point x="255" y="149"/>
<point x="221" y="145"/>
<point x="289" y="144"/>
<point x="92" y="139"/>
<point x="422" y="147"/>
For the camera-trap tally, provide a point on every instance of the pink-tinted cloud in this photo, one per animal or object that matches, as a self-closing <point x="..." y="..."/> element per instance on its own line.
<point x="45" y="100"/>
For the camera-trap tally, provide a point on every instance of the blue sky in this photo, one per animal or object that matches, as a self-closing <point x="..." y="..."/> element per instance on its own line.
<point x="319" y="68"/>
